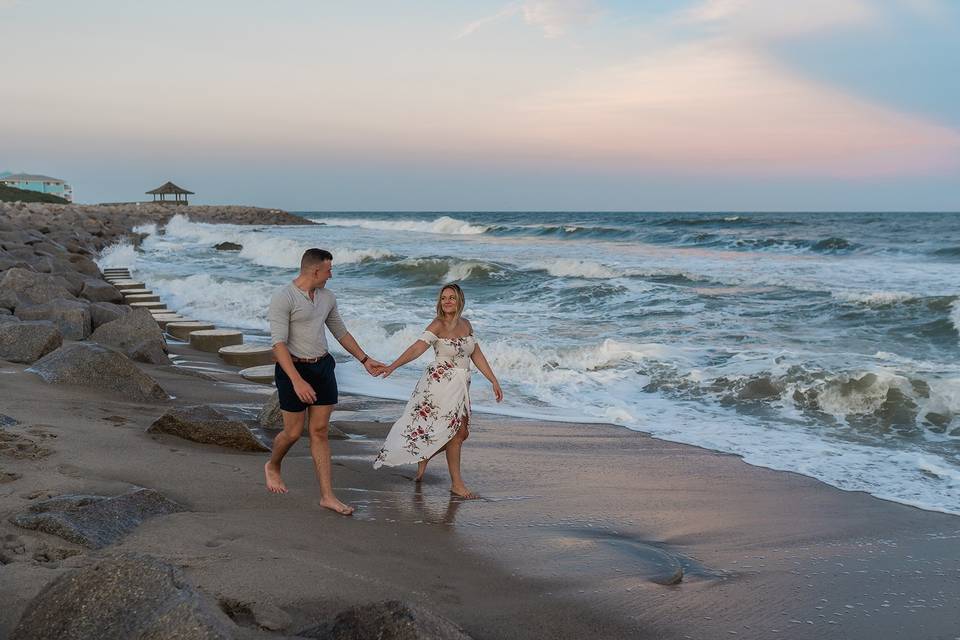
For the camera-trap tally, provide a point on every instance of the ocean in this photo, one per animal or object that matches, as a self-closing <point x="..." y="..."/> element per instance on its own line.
<point x="825" y="344"/>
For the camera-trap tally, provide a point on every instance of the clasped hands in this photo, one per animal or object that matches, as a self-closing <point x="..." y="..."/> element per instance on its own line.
<point x="377" y="368"/>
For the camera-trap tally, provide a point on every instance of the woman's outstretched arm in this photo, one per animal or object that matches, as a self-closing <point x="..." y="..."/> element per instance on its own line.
<point x="413" y="352"/>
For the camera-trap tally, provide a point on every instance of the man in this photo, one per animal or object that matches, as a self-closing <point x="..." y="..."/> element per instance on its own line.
<point x="304" y="371"/>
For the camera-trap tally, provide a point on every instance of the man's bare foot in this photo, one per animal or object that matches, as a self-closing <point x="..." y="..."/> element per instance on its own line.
<point x="421" y="469"/>
<point x="463" y="492"/>
<point x="335" y="505"/>
<point x="275" y="483"/>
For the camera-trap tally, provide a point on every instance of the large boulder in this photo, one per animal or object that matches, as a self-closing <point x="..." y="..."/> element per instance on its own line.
<point x="123" y="597"/>
<point x="32" y="287"/>
<point x="389" y="620"/>
<point x="28" y="341"/>
<point x="135" y="334"/>
<point x="100" y="291"/>
<point x="95" y="521"/>
<point x="93" y="365"/>
<point x="103" y="312"/>
<point x="204" y="424"/>
<point x="71" y="316"/>
<point x="82" y="263"/>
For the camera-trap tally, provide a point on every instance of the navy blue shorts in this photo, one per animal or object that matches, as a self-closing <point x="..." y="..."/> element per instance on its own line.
<point x="318" y="375"/>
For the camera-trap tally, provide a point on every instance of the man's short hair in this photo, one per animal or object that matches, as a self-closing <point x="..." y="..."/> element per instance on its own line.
<point x="313" y="258"/>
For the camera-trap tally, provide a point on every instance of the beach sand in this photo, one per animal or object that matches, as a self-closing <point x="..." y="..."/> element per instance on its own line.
<point x="581" y="532"/>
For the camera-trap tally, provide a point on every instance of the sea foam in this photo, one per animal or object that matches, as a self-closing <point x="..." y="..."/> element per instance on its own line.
<point x="121" y="254"/>
<point x="441" y="225"/>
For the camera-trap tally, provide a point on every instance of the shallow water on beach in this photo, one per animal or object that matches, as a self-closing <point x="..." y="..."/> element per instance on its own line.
<point x="825" y="344"/>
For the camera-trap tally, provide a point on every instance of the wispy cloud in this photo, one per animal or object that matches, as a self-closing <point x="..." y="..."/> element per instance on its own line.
<point x="554" y="17"/>
<point x="764" y="19"/>
<point x="506" y="12"/>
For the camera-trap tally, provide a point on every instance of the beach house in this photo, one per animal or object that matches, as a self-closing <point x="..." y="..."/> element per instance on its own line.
<point x="42" y="184"/>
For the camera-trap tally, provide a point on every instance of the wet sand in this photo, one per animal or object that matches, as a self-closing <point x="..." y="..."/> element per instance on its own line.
<point x="584" y="530"/>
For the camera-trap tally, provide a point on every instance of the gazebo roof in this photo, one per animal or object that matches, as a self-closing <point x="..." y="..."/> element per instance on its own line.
<point x="169" y="187"/>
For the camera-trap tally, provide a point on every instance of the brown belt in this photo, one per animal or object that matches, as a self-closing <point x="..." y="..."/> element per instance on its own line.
<point x="308" y="360"/>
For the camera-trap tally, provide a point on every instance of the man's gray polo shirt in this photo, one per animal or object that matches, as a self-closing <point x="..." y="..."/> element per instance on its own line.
<point x="298" y="321"/>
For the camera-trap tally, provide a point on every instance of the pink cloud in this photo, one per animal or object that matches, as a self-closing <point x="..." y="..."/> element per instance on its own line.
<point x="725" y="109"/>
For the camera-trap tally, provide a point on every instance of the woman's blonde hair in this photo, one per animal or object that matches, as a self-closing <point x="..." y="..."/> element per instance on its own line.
<point x="460" y="299"/>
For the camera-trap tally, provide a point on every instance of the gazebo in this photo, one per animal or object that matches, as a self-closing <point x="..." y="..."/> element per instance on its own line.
<point x="169" y="188"/>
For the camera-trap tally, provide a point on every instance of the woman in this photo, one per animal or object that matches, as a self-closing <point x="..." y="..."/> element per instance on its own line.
<point x="437" y="417"/>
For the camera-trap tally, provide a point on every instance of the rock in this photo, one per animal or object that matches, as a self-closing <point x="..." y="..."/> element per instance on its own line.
<point x="9" y="300"/>
<point x="389" y="620"/>
<point x="103" y="312"/>
<point x="71" y="316"/>
<point x="136" y="334"/>
<point x="124" y="597"/>
<point x="7" y="421"/>
<point x="95" y="521"/>
<point x="228" y="246"/>
<point x="94" y="365"/>
<point x="100" y="291"/>
<point x="28" y="341"/>
<point x="32" y="287"/>
<point x="758" y="389"/>
<point x="83" y="264"/>
<point x="270" y="414"/>
<point x="204" y="424"/>
<point x="271" y="417"/>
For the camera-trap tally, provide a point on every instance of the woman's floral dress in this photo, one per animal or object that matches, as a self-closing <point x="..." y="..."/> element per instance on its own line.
<point x="438" y="408"/>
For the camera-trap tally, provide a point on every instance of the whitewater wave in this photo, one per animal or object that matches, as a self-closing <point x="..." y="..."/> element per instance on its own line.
<point x="258" y="246"/>
<point x="229" y="303"/>
<point x="121" y="254"/>
<point x="875" y="298"/>
<point x="442" y="225"/>
<point x="570" y="268"/>
<point x="438" y="270"/>
<point x="955" y="316"/>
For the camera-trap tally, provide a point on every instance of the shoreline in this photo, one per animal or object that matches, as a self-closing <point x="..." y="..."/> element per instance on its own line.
<point x="581" y="530"/>
<point x="600" y="531"/>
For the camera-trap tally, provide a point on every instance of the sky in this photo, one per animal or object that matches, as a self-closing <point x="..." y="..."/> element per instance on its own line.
<point x="471" y="105"/>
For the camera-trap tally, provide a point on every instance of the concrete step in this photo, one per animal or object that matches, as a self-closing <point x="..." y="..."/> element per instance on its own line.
<point x="126" y="285"/>
<point x="182" y="330"/>
<point x="166" y="318"/>
<point x="247" y="355"/>
<point x="213" y="339"/>
<point x="147" y="305"/>
<point x="140" y="297"/>
<point x="134" y="292"/>
<point x="262" y="374"/>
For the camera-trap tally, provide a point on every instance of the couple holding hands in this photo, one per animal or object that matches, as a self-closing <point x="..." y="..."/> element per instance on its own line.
<point x="437" y="416"/>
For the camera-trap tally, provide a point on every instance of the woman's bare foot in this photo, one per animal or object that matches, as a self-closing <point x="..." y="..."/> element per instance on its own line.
<point x="335" y="505"/>
<point x="463" y="492"/>
<point x="275" y="483"/>
<point x="421" y="469"/>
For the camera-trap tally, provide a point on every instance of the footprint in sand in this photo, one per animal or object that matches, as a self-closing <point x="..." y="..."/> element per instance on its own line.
<point x="20" y="447"/>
